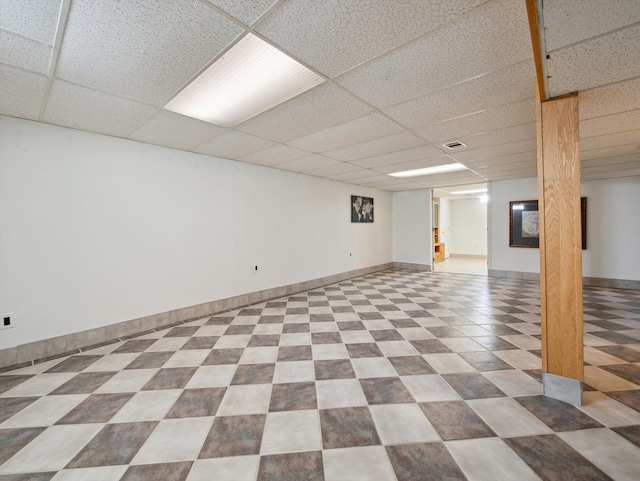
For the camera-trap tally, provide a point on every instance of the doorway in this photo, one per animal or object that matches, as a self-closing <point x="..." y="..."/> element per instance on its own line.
<point x="460" y="229"/>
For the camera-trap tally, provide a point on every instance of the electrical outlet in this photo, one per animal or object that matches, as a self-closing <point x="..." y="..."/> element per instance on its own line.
<point x="8" y="321"/>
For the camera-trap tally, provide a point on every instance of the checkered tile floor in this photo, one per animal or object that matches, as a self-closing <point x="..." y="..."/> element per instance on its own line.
<point x="400" y="375"/>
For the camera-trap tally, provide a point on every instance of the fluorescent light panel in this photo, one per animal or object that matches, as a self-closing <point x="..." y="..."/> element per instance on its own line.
<point x="250" y="78"/>
<point x="438" y="169"/>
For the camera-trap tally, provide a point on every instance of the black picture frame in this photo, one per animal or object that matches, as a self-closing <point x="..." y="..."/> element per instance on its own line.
<point x="523" y="223"/>
<point x="361" y="209"/>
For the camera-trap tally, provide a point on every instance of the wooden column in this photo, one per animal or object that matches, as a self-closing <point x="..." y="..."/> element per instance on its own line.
<point x="560" y="248"/>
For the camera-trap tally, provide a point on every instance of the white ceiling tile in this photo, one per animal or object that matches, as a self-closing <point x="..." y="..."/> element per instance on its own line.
<point x="246" y="12"/>
<point x="378" y="146"/>
<point x="618" y="97"/>
<point x="631" y="168"/>
<point x="609" y="174"/>
<point x="320" y="108"/>
<point x="85" y="109"/>
<point x="512" y="166"/>
<point x="349" y="133"/>
<point x="596" y="62"/>
<point x="35" y="19"/>
<point x="22" y="93"/>
<point x="176" y="131"/>
<point x="355" y="175"/>
<point x="145" y="51"/>
<point x="24" y="53"/>
<point x="308" y="163"/>
<point x="275" y="155"/>
<point x="611" y="140"/>
<point x="628" y="149"/>
<point x="233" y="144"/>
<point x="610" y="124"/>
<point x="524" y="174"/>
<point x="496" y="151"/>
<point x="334" y="35"/>
<point x="612" y="161"/>
<point x="571" y="21"/>
<point x="459" y="51"/>
<point x="335" y="169"/>
<point x="399" y="157"/>
<point x="513" y="83"/>
<point x="504" y="159"/>
<point x="502" y="136"/>
<point x="399" y="187"/>
<point x="450" y="178"/>
<point x="497" y="118"/>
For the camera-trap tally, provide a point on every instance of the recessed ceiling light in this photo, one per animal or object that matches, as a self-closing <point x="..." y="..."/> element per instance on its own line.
<point x="475" y="191"/>
<point x="250" y="78"/>
<point x="438" y="169"/>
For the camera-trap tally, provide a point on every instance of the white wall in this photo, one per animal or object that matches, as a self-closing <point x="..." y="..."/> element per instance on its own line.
<point x="412" y="240"/>
<point x="468" y="231"/>
<point x="501" y="256"/>
<point x="613" y="228"/>
<point x="97" y="230"/>
<point x="445" y="225"/>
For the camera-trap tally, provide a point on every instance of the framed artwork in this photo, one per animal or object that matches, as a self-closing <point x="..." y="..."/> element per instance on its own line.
<point x="524" y="227"/>
<point x="361" y="209"/>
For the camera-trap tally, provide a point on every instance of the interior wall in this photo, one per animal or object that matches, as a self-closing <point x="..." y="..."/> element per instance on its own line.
<point x="97" y="230"/>
<point x="613" y="227"/>
<point x="412" y="239"/>
<point x="445" y="226"/>
<point x="468" y="231"/>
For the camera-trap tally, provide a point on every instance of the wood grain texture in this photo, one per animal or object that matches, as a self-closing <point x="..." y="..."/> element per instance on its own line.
<point x="534" y="29"/>
<point x="560" y="237"/>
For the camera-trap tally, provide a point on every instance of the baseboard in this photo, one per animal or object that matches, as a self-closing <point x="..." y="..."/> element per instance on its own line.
<point x="411" y="266"/>
<point x="46" y="349"/>
<point x="586" y="281"/>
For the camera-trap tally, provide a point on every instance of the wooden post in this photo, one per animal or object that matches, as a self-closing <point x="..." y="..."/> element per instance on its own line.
<point x="560" y="248"/>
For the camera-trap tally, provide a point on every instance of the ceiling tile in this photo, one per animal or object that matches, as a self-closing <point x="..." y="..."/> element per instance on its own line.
<point x="35" y="19"/>
<point x="275" y="155"/>
<point x="504" y="86"/>
<point x="145" y="51"/>
<point x="339" y="168"/>
<point x="502" y="136"/>
<point x="448" y="179"/>
<point x="632" y="168"/>
<point x="610" y="124"/>
<point x="355" y="175"/>
<point x="504" y="159"/>
<point x="379" y="146"/>
<point x="611" y="99"/>
<point x="600" y="61"/>
<point x="22" y="93"/>
<point x="399" y="157"/>
<point x="24" y="53"/>
<point x="496" y="151"/>
<point x="85" y="109"/>
<point x="459" y="51"/>
<point x="571" y="21"/>
<point x="233" y="144"/>
<point x="524" y="174"/>
<point x="308" y="163"/>
<point x="349" y="133"/>
<point x="628" y="149"/>
<point x="320" y="108"/>
<point x="176" y="131"/>
<point x="334" y="35"/>
<point x="612" y="161"/>
<point x="500" y="117"/>
<point x="611" y="140"/>
<point x="246" y="12"/>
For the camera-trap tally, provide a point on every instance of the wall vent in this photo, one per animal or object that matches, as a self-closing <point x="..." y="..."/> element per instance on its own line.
<point x="456" y="144"/>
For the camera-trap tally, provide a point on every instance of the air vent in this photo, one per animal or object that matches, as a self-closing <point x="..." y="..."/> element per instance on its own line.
<point x="456" y="144"/>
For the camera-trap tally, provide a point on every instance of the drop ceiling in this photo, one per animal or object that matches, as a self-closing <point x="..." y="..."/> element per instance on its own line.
<point x="403" y="77"/>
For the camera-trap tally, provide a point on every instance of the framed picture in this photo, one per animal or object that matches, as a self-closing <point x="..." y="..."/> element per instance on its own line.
<point x="361" y="209"/>
<point x="524" y="227"/>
